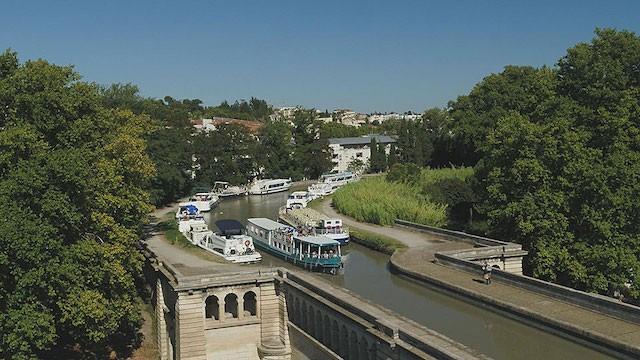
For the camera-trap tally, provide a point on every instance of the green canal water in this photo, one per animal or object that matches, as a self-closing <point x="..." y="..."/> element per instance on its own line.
<point x="367" y="274"/>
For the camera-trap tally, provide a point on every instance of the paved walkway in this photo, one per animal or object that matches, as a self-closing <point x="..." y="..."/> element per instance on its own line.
<point x="418" y="261"/>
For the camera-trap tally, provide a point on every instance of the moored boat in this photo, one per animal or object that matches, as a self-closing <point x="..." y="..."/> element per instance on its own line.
<point x="230" y="242"/>
<point x="269" y="186"/>
<point x="204" y="201"/>
<point x="298" y="200"/>
<point x="315" y="223"/>
<point x="315" y="253"/>
<point x="188" y="214"/>
<point x="224" y="189"/>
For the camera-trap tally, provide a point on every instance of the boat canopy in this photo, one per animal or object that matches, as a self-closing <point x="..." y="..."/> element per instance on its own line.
<point x="229" y="227"/>
<point x="318" y="240"/>
<point x="191" y="209"/>
<point x="267" y="224"/>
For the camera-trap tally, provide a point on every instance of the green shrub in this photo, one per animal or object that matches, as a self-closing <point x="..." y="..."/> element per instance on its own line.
<point x="377" y="201"/>
<point x="402" y="195"/>
<point x="374" y="241"/>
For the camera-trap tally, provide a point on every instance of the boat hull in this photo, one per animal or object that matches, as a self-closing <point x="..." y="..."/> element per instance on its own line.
<point x="268" y="191"/>
<point x="305" y="264"/>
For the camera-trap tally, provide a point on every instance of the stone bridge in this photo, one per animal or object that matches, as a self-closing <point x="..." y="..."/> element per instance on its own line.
<point x="248" y="312"/>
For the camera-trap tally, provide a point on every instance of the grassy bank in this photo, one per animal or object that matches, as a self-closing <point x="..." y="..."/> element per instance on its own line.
<point x="374" y="241"/>
<point x="171" y="233"/>
<point x="170" y="229"/>
<point x="380" y="201"/>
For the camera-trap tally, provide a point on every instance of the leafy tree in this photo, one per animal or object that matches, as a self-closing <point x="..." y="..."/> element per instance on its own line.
<point x="357" y="166"/>
<point x="169" y="141"/>
<point x="275" y="151"/>
<point x="382" y="155"/>
<point x="374" y="158"/>
<point x="226" y="154"/>
<point x="311" y="153"/>
<point x="518" y="88"/>
<point x="73" y="176"/>
<point x="561" y="175"/>
<point x="393" y="156"/>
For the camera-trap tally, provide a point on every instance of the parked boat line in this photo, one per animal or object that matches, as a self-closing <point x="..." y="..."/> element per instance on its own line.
<point x="269" y="186"/>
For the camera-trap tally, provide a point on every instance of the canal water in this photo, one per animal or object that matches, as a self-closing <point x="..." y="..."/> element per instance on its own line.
<point x="367" y="274"/>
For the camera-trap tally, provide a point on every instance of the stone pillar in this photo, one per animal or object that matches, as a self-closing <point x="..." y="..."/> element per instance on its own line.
<point x="221" y="309"/>
<point x="190" y="339"/>
<point x="161" y="323"/>
<point x="240" y="307"/>
<point x="274" y="333"/>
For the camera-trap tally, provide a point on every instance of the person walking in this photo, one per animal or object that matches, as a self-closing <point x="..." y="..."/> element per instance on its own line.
<point x="486" y="273"/>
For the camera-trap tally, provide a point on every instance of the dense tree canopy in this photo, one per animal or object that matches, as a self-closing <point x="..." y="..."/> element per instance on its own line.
<point x="560" y="172"/>
<point x="73" y="176"/>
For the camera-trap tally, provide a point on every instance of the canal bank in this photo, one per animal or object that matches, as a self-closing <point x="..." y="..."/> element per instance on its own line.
<point x="608" y="331"/>
<point x="367" y="275"/>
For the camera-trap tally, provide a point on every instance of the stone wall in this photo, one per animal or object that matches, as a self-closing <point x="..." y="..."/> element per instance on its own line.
<point x="353" y="328"/>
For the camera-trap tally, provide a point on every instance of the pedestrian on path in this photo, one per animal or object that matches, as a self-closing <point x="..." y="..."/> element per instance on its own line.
<point x="486" y="270"/>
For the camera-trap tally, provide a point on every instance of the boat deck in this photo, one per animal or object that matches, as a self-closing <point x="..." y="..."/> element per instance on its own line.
<point x="303" y="216"/>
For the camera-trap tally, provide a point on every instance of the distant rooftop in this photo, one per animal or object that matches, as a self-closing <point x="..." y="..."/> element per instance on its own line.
<point x="361" y="140"/>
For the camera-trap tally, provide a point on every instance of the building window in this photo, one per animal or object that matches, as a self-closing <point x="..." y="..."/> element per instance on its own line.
<point x="359" y="154"/>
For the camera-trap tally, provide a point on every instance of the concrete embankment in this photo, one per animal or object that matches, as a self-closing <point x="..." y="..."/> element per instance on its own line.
<point x="592" y="320"/>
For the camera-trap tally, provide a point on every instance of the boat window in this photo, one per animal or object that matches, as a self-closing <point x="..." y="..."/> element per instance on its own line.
<point x="231" y="306"/>
<point x="250" y="304"/>
<point x="212" y="309"/>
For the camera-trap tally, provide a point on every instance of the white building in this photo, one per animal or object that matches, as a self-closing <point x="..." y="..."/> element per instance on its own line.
<point x="346" y="150"/>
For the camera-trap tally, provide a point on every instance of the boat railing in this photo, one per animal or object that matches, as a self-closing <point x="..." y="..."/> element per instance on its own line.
<point x="336" y="231"/>
<point x="329" y="259"/>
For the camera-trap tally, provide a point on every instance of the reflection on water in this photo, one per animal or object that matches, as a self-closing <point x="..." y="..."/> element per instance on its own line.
<point x="367" y="275"/>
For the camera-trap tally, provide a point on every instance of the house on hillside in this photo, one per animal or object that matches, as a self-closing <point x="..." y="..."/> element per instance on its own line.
<point x="207" y="125"/>
<point x="346" y="150"/>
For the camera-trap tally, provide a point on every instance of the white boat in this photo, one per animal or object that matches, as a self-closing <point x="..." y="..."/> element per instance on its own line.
<point x="225" y="189"/>
<point x="269" y="186"/>
<point x="298" y="200"/>
<point x="187" y="215"/>
<point x="340" y="178"/>
<point x="204" y="201"/>
<point x="315" y="223"/>
<point x="315" y="253"/>
<point x="319" y="190"/>
<point x="229" y="242"/>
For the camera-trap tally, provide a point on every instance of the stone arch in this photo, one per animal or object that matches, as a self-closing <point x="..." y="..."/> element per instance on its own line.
<point x="353" y="345"/>
<point x="303" y="322"/>
<point x="311" y="326"/>
<point x="364" y="353"/>
<point x="343" y="349"/>
<point x="319" y="327"/>
<point x="296" y="312"/>
<point x="327" y="331"/>
<point x="250" y="304"/>
<point x="231" y="306"/>
<point x="335" y="336"/>
<point x="212" y="307"/>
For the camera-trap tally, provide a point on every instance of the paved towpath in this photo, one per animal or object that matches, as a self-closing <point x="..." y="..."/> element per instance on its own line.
<point x="418" y="261"/>
<point x="187" y="262"/>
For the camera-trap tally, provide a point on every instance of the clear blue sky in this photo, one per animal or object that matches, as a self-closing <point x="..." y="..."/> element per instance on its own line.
<point x="364" y="55"/>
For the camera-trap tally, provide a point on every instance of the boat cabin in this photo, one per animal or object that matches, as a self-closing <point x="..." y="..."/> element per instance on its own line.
<point x="298" y="200"/>
<point x="316" y="247"/>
